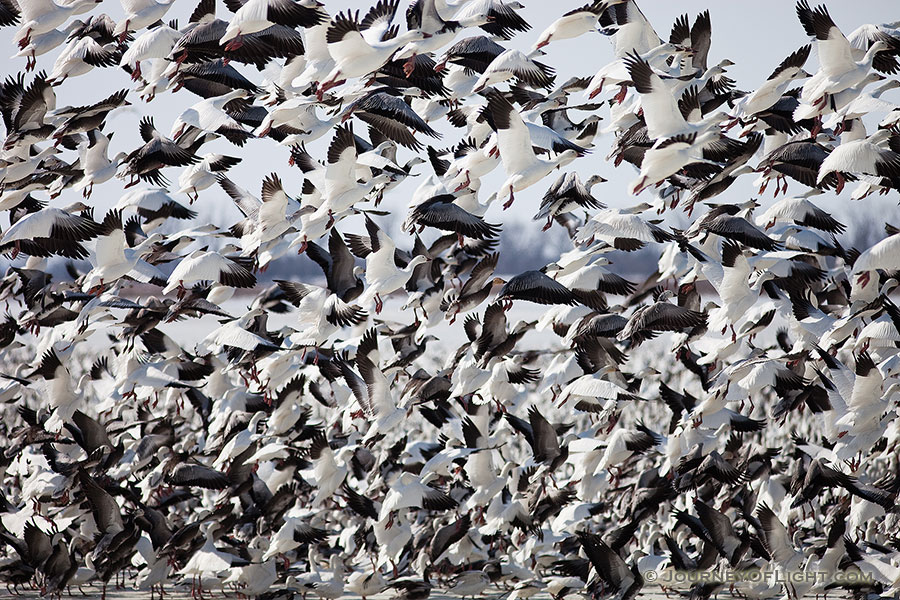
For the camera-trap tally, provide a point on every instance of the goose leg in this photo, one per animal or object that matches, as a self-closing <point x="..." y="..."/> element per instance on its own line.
<point x="409" y="66"/>
<point x="124" y="33"/>
<point x="511" y="198"/>
<point x="234" y="44"/>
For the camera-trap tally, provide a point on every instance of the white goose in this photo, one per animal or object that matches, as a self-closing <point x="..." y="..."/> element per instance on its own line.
<point x="202" y="175"/>
<point x="773" y="88"/>
<point x="321" y="314"/>
<point x="383" y="277"/>
<point x="838" y="70"/>
<point x="209" y="115"/>
<point x="668" y="156"/>
<point x="41" y="16"/>
<point x="515" y="63"/>
<point x="154" y="43"/>
<point x="209" y="561"/>
<point x="523" y="168"/>
<point x="45" y="42"/>
<point x="358" y="51"/>
<point x="883" y="255"/>
<point x="140" y="14"/>
<point x="98" y="168"/>
<point x="113" y="259"/>
<point x="202" y="265"/>
<point x="574" y="23"/>
<point x="256" y="15"/>
<point x="80" y="56"/>
<point x="866" y="156"/>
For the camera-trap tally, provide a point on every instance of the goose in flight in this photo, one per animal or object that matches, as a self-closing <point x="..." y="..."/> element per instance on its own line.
<point x="523" y="168"/>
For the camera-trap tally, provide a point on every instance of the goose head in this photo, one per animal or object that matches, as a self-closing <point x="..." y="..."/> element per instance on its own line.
<point x="594" y="179"/>
<point x="565" y="158"/>
<point x="416" y="260"/>
<point x="873" y="50"/>
<point x="255" y="420"/>
<point x="888" y="85"/>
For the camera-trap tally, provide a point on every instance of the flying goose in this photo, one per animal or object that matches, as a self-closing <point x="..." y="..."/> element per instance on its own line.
<point x="252" y="16"/>
<point x="514" y="144"/>
<point x="203" y="265"/>
<point x="567" y="194"/>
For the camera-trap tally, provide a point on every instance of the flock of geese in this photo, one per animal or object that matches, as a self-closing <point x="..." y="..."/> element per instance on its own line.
<point x="735" y="409"/>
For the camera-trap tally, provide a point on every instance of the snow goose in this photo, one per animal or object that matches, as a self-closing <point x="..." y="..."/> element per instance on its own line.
<point x="732" y="280"/>
<point x="156" y="42"/>
<point x="799" y="211"/>
<point x="725" y="221"/>
<point x="616" y="72"/>
<point x="42" y="16"/>
<point x="661" y="111"/>
<point x="82" y="119"/>
<point x="329" y="468"/>
<point x="210" y="115"/>
<point x="388" y="113"/>
<point x="241" y="441"/>
<point x="291" y="535"/>
<point x="883" y="255"/>
<point x="98" y="167"/>
<point x="593" y="393"/>
<point x="424" y="16"/>
<point x="537" y="287"/>
<point x="865" y="35"/>
<point x="208" y="561"/>
<point x="80" y="56"/>
<point x="61" y="395"/>
<point x="575" y="23"/>
<point x="866" y="157"/>
<point x="359" y="47"/>
<point x="858" y="104"/>
<point x="441" y="212"/>
<point x="382" y="274"/>
<point x="202" y="265"/>
<point x="45" y="42"/>
<point x="337" y="264"/>
<point x="155" y="207"/>
<point x="608" y="568"/>
<point x="514" y="144"/>
<point x="321" y="313"/>
<point x="251" y="16"/>
<point x="113" y="259"/>
<point x="473" y="53"/>
<point x="196" y="178"/>
<point x="56" y="229"/>
<point x="496" y="17"/>
<point x="567" y="194"/>
<point x="408" y="491"/>
<point x="670" y="155"/>
<point x="622" y="228"/>
<point x="819" y="475"/>
<point x="364" y="584"/>
<point x="838" y="69"/>
<point x="157" y="152"/>
<point x="515" y="63"/>
<point x="140" y="14"/>
<point x="659" y="316"/>
<point x="772" y="89"/>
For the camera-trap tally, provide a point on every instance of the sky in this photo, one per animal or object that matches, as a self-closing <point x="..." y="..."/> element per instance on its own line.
<point x="755" y="36"/>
